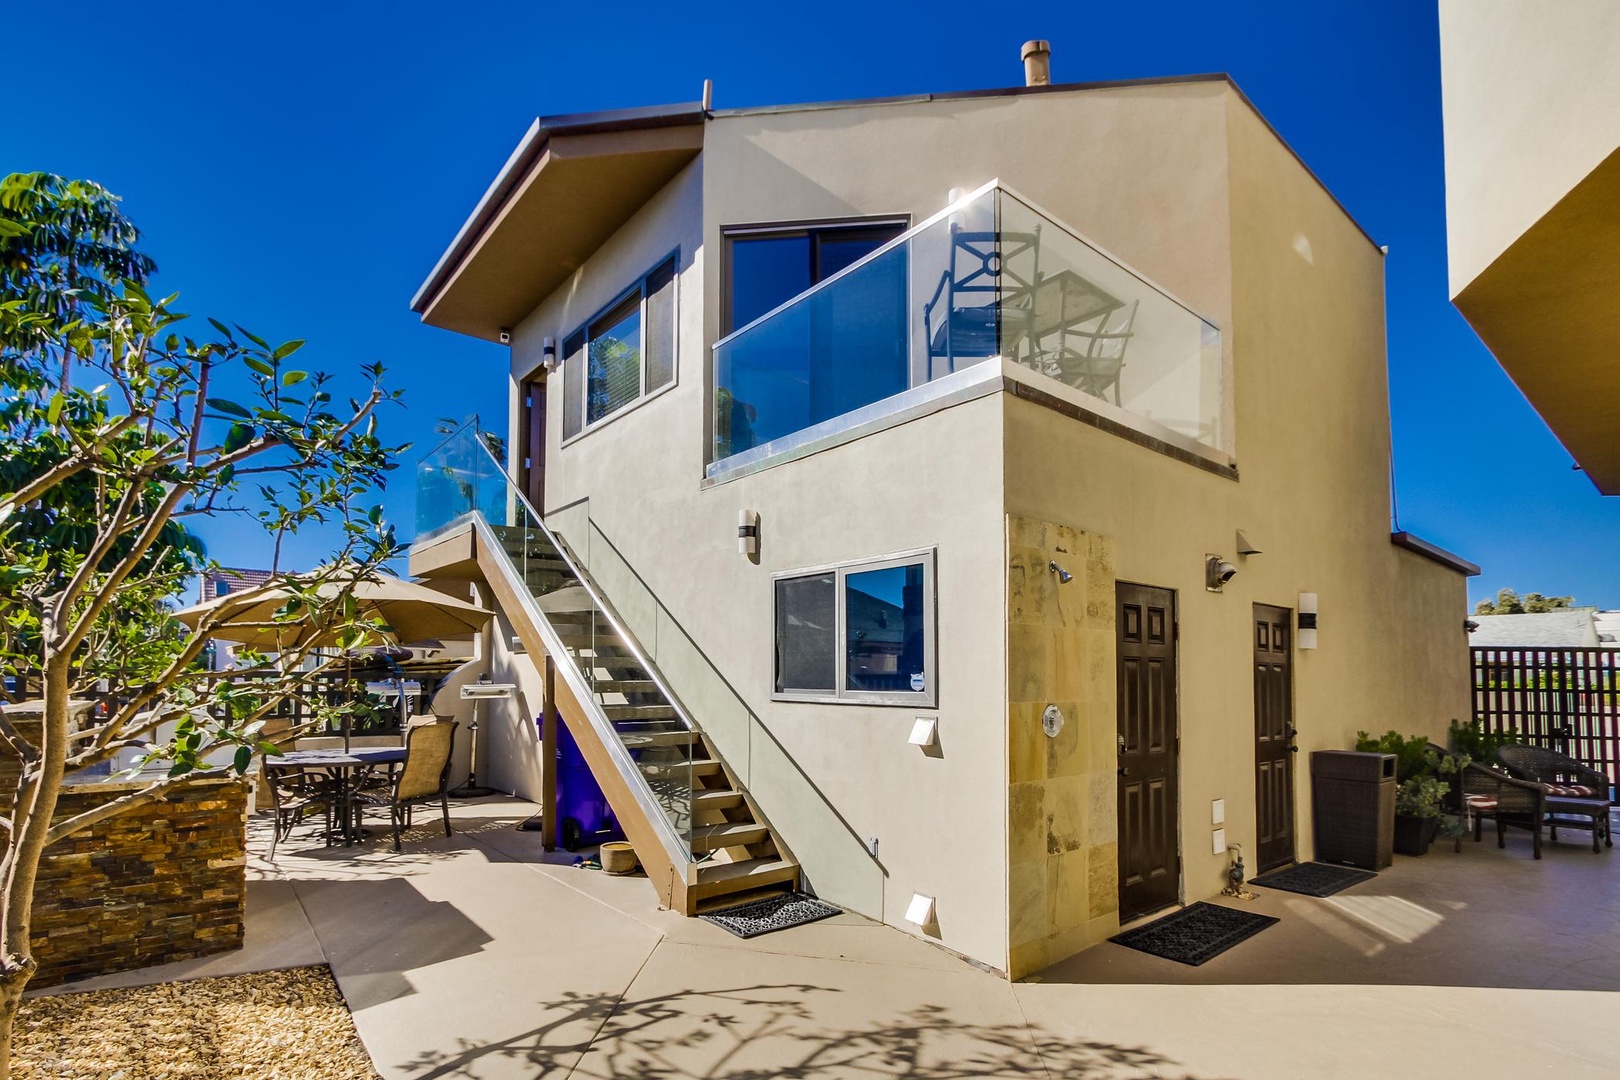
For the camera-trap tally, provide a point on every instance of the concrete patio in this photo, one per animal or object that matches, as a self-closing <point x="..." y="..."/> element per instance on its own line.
<point x="478" y="956"/>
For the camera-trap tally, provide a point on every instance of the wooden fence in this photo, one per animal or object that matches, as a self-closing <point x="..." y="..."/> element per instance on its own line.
<point x="1567" y="700"/>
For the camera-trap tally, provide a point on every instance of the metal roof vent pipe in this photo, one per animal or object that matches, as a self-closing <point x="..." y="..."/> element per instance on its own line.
<point x="1037" y="57"/>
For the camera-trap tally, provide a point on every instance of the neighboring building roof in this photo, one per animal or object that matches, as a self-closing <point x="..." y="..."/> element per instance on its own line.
<point x="1608" y="627"/>
<point x="1574" y="629"/>
<point x="230" y="580"/>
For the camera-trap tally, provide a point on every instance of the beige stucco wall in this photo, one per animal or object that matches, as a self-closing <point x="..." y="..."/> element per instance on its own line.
<point x="1532" y="104"/>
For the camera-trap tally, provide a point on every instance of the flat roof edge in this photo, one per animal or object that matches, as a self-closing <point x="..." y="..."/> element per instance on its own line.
<point x="1419" y="546"/>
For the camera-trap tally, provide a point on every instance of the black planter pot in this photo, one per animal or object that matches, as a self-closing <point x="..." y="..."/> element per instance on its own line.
<point x="1413" y="834"/>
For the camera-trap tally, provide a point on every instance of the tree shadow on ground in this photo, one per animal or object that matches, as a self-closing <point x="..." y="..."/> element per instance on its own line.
<point x="777" y="1031"/>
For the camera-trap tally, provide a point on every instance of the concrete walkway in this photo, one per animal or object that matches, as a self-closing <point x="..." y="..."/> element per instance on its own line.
<point x="478" y="956"/>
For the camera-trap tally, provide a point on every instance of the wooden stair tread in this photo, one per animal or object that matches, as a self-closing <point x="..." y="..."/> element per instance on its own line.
<point x="640" y="712"/>
<point x="717" y="878"/>
<point x="716" y="800"/>
<point x="626" y="686"/>
<point x="730" y="834"/>
<point x="637" y="739"/>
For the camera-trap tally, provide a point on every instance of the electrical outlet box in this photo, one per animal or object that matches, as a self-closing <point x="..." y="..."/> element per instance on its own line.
<point x="1217" y="844"/>
<point x="1217" y="812"/>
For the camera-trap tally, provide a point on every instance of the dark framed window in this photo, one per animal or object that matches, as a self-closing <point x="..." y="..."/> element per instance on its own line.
<point x="860" y="632"/>
<point x="769" y="265"/>
<point x="622" y="354"/>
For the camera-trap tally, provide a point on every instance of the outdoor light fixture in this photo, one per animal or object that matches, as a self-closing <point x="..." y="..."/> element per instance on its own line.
<point x="1064" y="577"/>
<point x="1307" y="620"/>
<point x="548" y="354"/>
<point x="748" y="532"/>
<point x="1217" y="572"/>
<point x="1470" y="625"/>
<point x="505" y="336"/>
<point x="920" y="912"/>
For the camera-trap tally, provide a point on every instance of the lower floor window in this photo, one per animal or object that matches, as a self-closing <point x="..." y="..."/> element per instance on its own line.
<point x="860" y="632"/>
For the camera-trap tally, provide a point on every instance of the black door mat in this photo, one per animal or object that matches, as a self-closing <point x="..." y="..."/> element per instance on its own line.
<point x="1195" y="934"/>
<point x="1313" y="878"/>
<point x="770" y="914"/>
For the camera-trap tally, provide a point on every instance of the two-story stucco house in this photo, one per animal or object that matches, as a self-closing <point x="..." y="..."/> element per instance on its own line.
<point x="921" y="499"/>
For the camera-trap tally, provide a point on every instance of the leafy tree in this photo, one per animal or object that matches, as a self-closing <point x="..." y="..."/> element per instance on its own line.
<point x="1508" y="603"/>
<point x="95" y="488"/>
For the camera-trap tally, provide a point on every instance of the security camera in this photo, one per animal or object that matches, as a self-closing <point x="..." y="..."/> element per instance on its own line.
<point x="1217" y="572"/>
<point x="506" y="336"/>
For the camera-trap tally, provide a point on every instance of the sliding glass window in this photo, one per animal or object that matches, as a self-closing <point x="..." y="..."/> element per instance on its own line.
<point x="623" y="354"/>
<point x="863" y="632"/>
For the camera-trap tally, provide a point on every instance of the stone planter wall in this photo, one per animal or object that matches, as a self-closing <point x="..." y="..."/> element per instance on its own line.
<point x="162" y="882"/>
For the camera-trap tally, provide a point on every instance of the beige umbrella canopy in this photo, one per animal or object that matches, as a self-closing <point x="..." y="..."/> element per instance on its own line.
<point x="408" y="611"/>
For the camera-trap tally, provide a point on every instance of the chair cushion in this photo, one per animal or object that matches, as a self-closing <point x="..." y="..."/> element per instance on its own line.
<point x="1570" y="791"/>
<point x="1480" y="803"/>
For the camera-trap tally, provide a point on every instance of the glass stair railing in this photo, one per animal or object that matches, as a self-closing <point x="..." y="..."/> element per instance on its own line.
<point x="638" y="719"/>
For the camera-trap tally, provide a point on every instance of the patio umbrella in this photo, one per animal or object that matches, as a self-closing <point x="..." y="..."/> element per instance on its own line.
<point x="409" y="612"/>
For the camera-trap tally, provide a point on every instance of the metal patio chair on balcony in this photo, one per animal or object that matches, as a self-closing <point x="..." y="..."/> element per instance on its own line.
<point x="424" y="777"/>
<point x="975" y="311"/>
<point x="1092" y="360"/>
<point x="1577" y="796"/>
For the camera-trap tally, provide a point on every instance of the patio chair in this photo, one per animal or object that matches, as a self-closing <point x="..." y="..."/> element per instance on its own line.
<point x="293" y="797"/>
<point x="1484" y="792"/>
<point x="975" y="311"/>
<point x="1091" y="360"/>
<point x="1577" y="797"/>
<point x="424" y="777"/>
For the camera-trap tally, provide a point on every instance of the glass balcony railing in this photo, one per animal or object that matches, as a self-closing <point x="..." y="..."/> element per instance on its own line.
<point x="988" y="278"/>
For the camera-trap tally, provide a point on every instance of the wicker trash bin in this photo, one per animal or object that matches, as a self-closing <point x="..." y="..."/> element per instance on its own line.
<point x="1353" y="807"/>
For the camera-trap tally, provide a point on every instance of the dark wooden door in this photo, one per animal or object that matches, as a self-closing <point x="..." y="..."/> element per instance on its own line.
<point x="1145" y="686"/>
<point x="1273" y="736"/>
<point x="534" y="443"/>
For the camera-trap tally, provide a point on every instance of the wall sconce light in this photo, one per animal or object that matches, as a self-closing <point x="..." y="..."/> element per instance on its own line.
<point x="1307" y="621"/>
<point x="1064" y="577"/>
<point x="1217" y="572"/>
<point x="925" y="731"/>
<point x="1470" y="625"/>
<point x="920" y="912"/>
<point x="1245" y="546"/>
<point x="748" y="532"/>
<point x="548" y="354"/>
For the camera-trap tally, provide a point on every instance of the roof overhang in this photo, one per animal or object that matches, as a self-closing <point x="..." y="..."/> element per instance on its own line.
<point x="1548" y="308"/>
<point x="571" y="183"/>
<point x="1419" y="546"/>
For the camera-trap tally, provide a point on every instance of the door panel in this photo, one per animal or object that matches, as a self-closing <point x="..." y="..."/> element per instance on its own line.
<point x="534" y="438"/>
<point x="1145" y="686"/>
<point x="1274" y="736"/>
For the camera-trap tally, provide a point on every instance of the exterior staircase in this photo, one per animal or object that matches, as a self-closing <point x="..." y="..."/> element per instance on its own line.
<point x="696" y="831"/>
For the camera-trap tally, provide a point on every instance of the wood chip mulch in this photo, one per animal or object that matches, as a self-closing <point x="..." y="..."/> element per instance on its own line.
<point x="289" y="1023"/>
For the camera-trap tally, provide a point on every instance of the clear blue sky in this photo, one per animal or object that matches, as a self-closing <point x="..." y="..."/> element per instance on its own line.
<point x="299" y="168"/>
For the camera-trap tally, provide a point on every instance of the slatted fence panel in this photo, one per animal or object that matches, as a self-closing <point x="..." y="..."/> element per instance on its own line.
<point x="1566" y="700"/>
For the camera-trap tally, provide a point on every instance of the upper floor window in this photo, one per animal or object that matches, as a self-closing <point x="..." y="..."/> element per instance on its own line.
<point x="768" y="266"/>
<point x="623" y="354"/>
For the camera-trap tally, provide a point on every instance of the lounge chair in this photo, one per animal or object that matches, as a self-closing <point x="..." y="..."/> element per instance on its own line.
<point x="1576" y="796"/>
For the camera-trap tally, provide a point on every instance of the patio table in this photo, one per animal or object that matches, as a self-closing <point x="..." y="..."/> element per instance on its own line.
<point x="342" y="766"/>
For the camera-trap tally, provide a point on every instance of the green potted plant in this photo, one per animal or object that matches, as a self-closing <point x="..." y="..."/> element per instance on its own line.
<point x="1420" y="812"/>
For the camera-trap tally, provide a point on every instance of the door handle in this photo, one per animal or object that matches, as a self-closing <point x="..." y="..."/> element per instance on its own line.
<point x="1123" y="771"/>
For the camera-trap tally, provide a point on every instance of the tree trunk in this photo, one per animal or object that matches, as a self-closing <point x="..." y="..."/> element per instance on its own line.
<point x="38" y="787"/>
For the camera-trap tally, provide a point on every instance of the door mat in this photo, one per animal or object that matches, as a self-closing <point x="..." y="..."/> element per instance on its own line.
<point x="1313" y="878"/>
<point x="1195" y="934"/>
<point x="770" y="914"/>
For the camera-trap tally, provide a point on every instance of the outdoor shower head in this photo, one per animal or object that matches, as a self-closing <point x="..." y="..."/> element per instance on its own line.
<point x="1064" y="577"/>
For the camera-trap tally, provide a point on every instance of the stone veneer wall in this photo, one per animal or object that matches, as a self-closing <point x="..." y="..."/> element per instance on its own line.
<point x="163" y="882"/>
<point x="1063" y="891"/>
